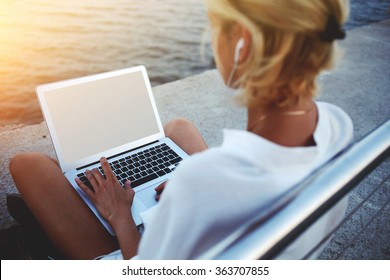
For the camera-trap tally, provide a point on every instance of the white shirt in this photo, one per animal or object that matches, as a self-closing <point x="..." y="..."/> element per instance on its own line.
<point x="214" y="192"/>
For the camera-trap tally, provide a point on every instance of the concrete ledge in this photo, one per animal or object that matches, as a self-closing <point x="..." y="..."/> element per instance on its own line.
<point x="359" y="85"/>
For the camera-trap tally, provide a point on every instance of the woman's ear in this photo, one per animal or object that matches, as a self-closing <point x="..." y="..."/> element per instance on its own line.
<point x="246" y="45"/>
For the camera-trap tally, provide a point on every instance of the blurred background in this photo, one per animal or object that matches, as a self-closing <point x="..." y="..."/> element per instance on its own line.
<point x="43" y="41"/>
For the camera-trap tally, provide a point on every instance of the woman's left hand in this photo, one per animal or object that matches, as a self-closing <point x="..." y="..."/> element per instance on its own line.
<point x="159" y="190"/>
<point x="111" y="199"/>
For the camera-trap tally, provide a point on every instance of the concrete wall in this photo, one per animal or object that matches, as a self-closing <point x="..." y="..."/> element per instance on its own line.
<point x="359" y="85"/>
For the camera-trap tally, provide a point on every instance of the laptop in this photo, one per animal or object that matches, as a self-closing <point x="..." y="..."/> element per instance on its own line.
<point x="112" y="115"/>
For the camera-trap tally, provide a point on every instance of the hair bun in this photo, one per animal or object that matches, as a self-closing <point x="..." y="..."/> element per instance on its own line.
<point x="333" y="31"/>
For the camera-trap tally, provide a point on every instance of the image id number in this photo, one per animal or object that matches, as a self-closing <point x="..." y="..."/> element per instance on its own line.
<point x="241" y="270"/>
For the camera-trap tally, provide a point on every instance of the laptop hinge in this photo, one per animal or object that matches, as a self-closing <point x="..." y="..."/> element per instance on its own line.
<point x="125" y="152"/>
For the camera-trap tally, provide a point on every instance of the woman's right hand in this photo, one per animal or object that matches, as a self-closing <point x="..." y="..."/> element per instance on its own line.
<point x="111" y="199"/>
<point x="114" y="202"/>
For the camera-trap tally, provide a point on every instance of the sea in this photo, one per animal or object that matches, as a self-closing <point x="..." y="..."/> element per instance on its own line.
<point x="42" y="41"/>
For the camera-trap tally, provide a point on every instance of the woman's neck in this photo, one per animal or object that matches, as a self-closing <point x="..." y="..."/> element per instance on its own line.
<point x="291" y="126"/>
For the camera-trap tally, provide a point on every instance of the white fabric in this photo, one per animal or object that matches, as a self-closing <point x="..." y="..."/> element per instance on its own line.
<point x="212" y="193"/>
<point x="114" y="256"/>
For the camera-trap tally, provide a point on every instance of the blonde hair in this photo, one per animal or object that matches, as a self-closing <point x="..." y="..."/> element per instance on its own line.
<point x="286" y="54"/>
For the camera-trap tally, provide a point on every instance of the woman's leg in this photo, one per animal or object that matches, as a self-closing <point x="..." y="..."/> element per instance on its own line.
<point x="63" y="215"/>
<point x="185" y="135"/>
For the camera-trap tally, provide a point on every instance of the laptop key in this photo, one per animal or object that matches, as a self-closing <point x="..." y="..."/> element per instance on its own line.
<point x="173" y="153"/>
<point x="176" y="160"/>
<point x="143" y="180"/>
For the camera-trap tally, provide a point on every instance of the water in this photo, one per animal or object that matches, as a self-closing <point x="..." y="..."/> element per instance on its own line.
<point x="364" y="12"/>
<point x="43" y="41"/>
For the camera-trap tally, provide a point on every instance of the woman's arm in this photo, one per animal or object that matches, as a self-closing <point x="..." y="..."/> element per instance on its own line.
<point x="127" y="235"/>
<point x="114" y="202"/>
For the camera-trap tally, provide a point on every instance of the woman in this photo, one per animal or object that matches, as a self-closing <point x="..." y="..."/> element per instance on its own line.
<point x="273" y="50"/>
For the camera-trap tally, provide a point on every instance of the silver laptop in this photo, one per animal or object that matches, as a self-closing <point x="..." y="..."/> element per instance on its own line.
<point x="110" y="115"/>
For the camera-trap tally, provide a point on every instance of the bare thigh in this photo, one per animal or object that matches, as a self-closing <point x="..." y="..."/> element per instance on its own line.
<point x="63" y="215"/>
<point x="185" y="135"/>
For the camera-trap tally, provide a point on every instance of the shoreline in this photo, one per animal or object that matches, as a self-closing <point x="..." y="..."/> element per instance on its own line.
<point x="11" y="127"/>
<point x="38" y="118"/>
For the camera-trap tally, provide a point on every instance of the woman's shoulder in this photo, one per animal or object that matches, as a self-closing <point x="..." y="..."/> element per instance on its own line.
<point x="237" y="150"/>
<point x="335" y="128"/>
<point x="336" y="115"/>
<point x="214" y="170"/>
<point x="207" y="164"/>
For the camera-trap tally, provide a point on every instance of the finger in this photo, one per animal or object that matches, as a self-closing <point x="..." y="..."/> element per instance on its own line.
<point x="129" y="191"/>
<point x="160" y="188"/>
<point x="107" y="169"/>
<point x="87" y="190"/>
<point x="91" y="179"/>
<point x="157" y="197"/>
<point x="127" y="185"/>
<point x="97" y="175"/>
<point x="128" y="188"/>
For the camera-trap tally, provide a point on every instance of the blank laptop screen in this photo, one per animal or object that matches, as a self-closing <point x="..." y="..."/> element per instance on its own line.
<point x="96" y="116"/>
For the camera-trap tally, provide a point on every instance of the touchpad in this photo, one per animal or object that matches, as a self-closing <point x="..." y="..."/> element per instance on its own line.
<point x="148" y="196"/>
<point x="137" y="207"/>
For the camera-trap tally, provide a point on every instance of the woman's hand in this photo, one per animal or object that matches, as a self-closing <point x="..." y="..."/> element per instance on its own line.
<point x="159" y="190"/>
<point x="111" y="199"/>
<point x="114" y="202"/>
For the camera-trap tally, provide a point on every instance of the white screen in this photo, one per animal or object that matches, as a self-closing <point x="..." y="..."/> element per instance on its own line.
<point x="96" y="116"/>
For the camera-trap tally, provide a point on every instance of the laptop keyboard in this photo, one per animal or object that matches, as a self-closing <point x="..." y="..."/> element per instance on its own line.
<point x="142" y="167"/>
